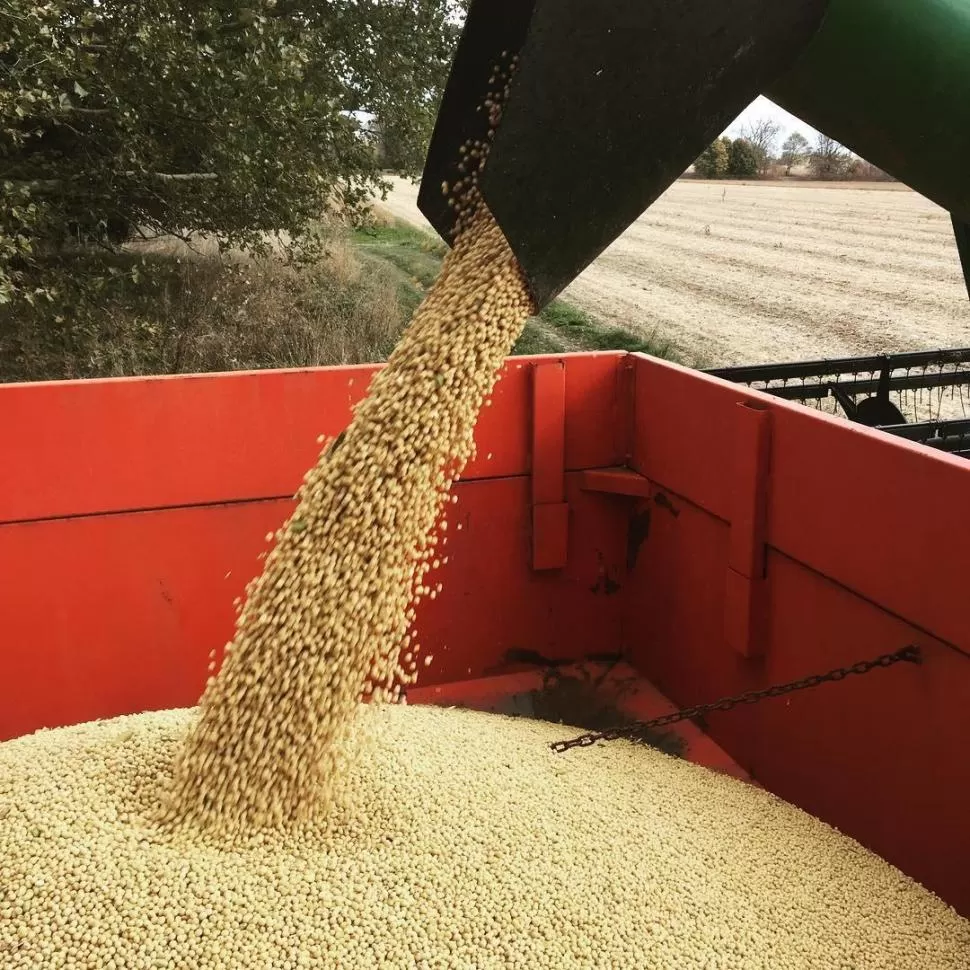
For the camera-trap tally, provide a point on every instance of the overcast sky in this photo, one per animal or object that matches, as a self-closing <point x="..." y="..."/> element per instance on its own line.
<point x="763" y="108"/>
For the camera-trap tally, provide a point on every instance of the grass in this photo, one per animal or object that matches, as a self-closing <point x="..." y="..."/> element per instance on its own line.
<point x="194" y="310"/>
<point x="414" y="255"/>
<point x="559" y="328"/>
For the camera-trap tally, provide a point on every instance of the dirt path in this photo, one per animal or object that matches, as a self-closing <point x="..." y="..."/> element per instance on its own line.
<point x="402" y="203"/>
<point x="747" y="273"/>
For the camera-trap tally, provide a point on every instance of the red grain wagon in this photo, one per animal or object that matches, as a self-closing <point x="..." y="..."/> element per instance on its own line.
<point x="682" y="534"/>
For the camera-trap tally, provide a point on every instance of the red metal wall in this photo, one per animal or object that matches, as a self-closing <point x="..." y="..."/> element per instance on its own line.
<point x="863" y="542"/>
<point x="132" y="513"/>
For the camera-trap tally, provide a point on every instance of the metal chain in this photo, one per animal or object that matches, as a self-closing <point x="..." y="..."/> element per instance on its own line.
<point x="910" y="654"/>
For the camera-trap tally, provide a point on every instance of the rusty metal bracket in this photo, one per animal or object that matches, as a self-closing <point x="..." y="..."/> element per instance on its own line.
<point x="745" y="593"/>
<point x="550" y="512"/>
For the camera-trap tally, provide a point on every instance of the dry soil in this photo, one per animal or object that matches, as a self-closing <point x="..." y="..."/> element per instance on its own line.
<point x="738" y="273"/>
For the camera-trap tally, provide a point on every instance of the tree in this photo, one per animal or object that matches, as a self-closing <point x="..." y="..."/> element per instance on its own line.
<point x="713" y="161"/>
<point x="794" y="150"/>
<point x="230" y="118"/>
<point x="867" y="172"/>
<point x="829" y="160"/>
<point x="763" y="135"/>
<point x="743" y="159"/>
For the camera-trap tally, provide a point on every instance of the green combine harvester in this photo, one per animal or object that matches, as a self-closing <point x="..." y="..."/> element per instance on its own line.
<point x="611" y="102"/>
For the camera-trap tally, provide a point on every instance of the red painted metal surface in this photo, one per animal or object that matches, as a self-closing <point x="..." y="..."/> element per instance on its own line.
<point x="616" y="481"/>
<point x="107" y="615"/>
<point x="854" y="503"/>
<point x="548" y="431"/>
<point x="494" y="601"/>
<point x="81" y="447"/>
<point x="132" y="512"/>
<point x="111" y="614"/>
<point x="623" y="423"/>
<point x="864" y="555"/>
<point x="744" y="595"/>
<point x="550" y="535"/>
<point x="96" y="446"/>
<point x="550" y="514"/>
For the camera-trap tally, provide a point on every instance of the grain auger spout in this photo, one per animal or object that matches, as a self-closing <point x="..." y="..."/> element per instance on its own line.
<point x="611" y="101"/>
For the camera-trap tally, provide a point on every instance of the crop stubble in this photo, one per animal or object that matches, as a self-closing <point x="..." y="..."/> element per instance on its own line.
<point x="737" y="273"/>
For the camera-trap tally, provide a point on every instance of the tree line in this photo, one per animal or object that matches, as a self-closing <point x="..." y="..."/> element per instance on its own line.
<point x="755" y="153"/>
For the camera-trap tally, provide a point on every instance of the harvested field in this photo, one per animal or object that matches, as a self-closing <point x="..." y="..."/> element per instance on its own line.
<point x="737" y="273"/>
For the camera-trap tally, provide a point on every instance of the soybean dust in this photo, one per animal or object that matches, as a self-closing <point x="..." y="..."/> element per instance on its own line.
<point x="284" y="824"/>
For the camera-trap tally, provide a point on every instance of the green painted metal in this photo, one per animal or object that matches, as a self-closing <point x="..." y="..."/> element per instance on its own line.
<point x="962" y="232"/>
<point x="890" y="79"/>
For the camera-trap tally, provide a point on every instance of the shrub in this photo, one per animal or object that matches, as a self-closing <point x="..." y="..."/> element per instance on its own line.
<point x="713" y="161"/>
<point x="743" y="159"/>
<point x="198" y="312"/>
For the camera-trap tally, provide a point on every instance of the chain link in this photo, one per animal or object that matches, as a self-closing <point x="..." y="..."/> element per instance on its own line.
<point x="910" y="654"/>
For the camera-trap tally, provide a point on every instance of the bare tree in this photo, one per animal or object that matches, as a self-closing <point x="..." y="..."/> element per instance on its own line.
<point x="794" y="150"/>
<point x="763" y="134"/>
<point x="867" y="172"/>
<point x="829" y="160"/>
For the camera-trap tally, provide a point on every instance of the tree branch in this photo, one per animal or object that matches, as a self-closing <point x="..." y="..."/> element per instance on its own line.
<point x="48" y="186"/>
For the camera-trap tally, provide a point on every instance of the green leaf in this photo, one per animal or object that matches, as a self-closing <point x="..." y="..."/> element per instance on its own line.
<point x="258" y="107"/>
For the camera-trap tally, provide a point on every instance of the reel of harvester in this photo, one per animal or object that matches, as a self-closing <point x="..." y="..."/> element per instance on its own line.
<point x="920" y="396"/>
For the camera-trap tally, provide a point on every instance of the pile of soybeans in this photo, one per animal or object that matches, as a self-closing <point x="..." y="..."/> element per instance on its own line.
<point x="285" y="823"/>
<point x="462" y="842"/>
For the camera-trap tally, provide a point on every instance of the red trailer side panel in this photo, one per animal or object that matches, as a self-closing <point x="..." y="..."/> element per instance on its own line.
<point x="865" y="543"/>
<point x="886" y="517"/>
<point x="108" y="612"/>
<point x="82" y="447"/>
